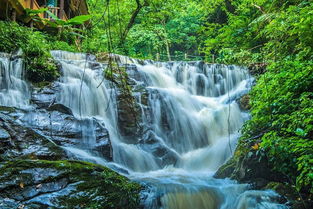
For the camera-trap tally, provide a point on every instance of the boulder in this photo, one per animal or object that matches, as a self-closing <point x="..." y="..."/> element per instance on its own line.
<point x="244" y="102"/>
<point x="4" y="134"/>
<point x="60" y="108"/>
<point x="154" y="145"/>
<point x="45" y="96"/>
<point x="64" y="184"/>
<point x="250" y="165"/>
<point x="23" y="142"/>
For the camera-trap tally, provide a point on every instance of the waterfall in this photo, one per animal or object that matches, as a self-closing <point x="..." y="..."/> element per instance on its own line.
<point x="14" y="90"/>
<point x="189" y="123"/>
<point x="193" y="110"/>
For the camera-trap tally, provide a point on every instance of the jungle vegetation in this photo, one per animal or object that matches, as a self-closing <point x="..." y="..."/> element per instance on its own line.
<point x="273" y="35"/>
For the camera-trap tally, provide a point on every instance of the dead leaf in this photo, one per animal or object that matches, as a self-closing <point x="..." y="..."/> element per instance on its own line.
<point x="22" y="185"/>
<point x="256" y="146"/>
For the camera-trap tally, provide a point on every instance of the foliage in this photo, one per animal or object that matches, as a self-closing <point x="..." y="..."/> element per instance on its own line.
<point x="272" y="33"/>
<point x="39" y="63"/>
<point x="164" y="27"/>
<point x="281" y="36"/>
<point x="77" y="20"/>
<point x="282" y="107"/>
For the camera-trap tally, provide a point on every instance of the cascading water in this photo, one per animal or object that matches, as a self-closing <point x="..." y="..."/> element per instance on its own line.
<point x="194" y="114"/>
<point x="14" y="90"/>
<point x="190" y="122"/>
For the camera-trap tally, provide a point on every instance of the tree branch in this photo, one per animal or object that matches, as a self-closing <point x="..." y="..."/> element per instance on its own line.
<point x="132" y="19"/>
<point x="259" y="8"/>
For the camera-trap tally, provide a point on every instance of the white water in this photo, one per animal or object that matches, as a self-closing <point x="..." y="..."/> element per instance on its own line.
<point x="192" y="115"/>
<point x="14" y="90"/>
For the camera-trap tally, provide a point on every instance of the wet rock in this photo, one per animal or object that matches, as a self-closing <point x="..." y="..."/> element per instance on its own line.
<point x="154" y="145"/>
<point x="5" y="109"/>
<point x="289" y="193"/>
<point x="25" y="143"/>
<point x="64" y="184"/>
<point x="244" y="102"/>
<point x="45" y="96"/>
<point x="60" y="108"/>
<point x="66" y="130"/>
<point x="4" y="134"/>
<point x="252" y="167"/>
<point x="134" y="74"/>
<point x="7" y="203"/>
<point x="104" y="148"/>
<point x="128" y="117"/>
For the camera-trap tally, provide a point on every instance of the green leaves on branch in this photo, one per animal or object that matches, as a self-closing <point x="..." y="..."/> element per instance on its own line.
<point x="56" y="22"/>
<point x="78" y="20"/>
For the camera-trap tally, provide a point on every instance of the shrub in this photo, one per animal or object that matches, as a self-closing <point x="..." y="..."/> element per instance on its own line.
<point x="39" y="63"/>
<point x="282" y="107"/>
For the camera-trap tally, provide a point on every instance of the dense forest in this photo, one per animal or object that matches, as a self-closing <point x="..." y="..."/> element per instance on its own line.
<point x="272" y="38"/>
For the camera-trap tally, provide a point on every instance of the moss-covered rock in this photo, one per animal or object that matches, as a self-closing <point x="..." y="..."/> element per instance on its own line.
<point x="250" y="165"/>
<point x="65" y="184"/>
<point x="244" y="102"/>
<point x="36" y="173"/>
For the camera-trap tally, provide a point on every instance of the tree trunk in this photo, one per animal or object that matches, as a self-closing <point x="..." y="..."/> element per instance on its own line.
<point x="168" y="49"/>
<point x="132" y="20"/>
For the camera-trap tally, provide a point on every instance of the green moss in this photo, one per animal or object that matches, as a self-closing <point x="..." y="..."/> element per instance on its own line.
<point x="7" y="109"/>
<point x="96" y="185"/>
<point x="38" y="60"/>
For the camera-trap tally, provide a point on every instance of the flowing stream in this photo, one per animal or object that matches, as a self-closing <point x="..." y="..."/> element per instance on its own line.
<point x="189" y="125"/>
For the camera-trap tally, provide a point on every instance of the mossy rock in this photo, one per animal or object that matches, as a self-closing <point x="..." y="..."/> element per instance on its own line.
<point x="7" y="109"/>
<point x="249" y="164"/>
<point x="24" y="143"/>
<point x="244" y="102"/>
<point x="65" y="184"/>
<point x="41" y="84"/>
<point x="296" y="199"/>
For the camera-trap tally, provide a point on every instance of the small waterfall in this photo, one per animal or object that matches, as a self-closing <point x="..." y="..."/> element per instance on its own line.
<point x="14" y="90"/>
<point x="189" y="124"/>
<point x="191" y="112"/>
<point x="84" y="91"/>
<point x="88" y="95"/>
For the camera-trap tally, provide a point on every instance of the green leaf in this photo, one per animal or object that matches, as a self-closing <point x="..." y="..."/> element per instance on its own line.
<point x="32" y="12"/>
<point x="56" y="19"/>
<point x="53" y="16"/>
<point x="78" y="20"/>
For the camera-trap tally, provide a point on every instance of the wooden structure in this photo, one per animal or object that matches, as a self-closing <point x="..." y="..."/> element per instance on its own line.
<point x="63" y="9"/>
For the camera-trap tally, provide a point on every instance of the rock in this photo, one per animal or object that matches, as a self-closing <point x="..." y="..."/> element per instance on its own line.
<point x="66" y="130"/>
<point x="128" y="118"/>
<point x="25" y="143"/>
<point x="251" y="166"/>
<point x="244" y="102"/>
<point x="153" y="144"/>
<point x="5" y="109"/>
<point x="64" y="184"/>
<point x="4" y="134"/>
<point x="45" y="96"/>
<point x="7" y="203"/>
<point x="290" y="193"/>
<point x="60" y="108"/>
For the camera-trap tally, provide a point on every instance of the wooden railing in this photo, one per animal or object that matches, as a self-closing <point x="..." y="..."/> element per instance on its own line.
<point x="32" y="4"/>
